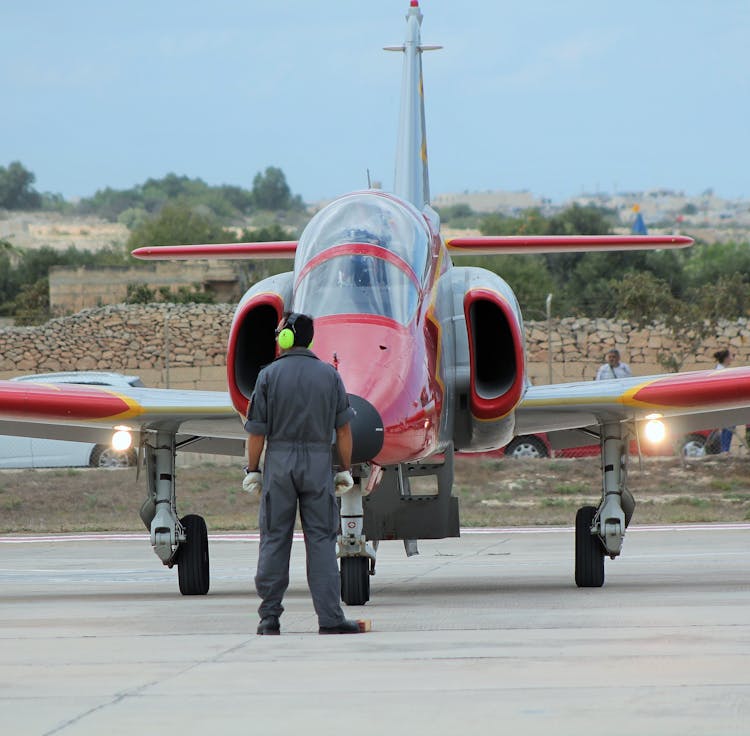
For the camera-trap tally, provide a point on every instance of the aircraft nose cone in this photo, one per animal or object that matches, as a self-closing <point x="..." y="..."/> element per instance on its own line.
<point x="367" y="430"/>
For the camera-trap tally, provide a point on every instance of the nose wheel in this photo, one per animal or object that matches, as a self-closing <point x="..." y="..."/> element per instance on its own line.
<point x="355" y="580"/>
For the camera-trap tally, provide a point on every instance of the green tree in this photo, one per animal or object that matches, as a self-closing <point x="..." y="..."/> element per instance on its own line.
<point x="728" y="298"/>
<point x="22" y="268"/>
<point x="267" y="234"/>
<point x="139" y="294"/>
<point x="178" y="224"/>
<point x="706" y="264"/>
<point x="529" y="222"/>
<point x="16" y="192"/>
<point x="645" y="299"/>
<point x="578" y="220"/>
<point x="270" y="190"/>
<point x="32" y="303"/>
<point x="143" y="294"/>
<point x="579" y="281"/>
<point x="252" y="271"/>
<point x="459" y="216"/>
<point x="239" y="198"/>
<point x="109" y="203"/>
<point x="55" y="203"/>
<point x="132" y="217"/>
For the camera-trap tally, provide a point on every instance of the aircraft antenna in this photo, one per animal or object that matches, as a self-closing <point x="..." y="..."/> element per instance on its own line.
<point x="369" y="183"/>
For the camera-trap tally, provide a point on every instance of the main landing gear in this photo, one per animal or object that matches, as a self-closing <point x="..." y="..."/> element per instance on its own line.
<point x="600" y="530"/>
<point x="182" y="542"/>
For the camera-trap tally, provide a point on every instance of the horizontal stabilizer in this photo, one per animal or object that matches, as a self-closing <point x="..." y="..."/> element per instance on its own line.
<point x="219" y="251"/>
<point x="489" y="245"/>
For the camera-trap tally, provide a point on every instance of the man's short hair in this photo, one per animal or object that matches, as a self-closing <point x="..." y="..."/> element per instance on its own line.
<point x="303" y="329"/>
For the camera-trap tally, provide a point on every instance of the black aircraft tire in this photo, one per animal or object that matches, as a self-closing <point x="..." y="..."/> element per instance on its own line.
<point x="589" y="551"/>
<point x="192" y="557"/>
<point x="355" y="580"/>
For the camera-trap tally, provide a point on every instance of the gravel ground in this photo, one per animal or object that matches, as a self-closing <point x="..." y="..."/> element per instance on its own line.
<point x="492" y="492"/>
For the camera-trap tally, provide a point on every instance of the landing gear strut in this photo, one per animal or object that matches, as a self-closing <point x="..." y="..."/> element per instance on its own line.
<point x="183" y="542"/>
<point x="600" y="530"/>
<point x="357" y="557"/>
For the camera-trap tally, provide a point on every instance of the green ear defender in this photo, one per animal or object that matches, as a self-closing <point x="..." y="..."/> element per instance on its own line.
<point x="287" y="333"/>
<point x="286" y="338"/>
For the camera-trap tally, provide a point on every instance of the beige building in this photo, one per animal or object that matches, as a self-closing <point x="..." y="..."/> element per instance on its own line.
<point x="73" y="289"/>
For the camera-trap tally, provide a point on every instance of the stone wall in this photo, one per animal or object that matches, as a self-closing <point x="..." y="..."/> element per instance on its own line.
<point x="579" y="346"/>
<point x="134" y="339"/>
<point x="128" y="338"/>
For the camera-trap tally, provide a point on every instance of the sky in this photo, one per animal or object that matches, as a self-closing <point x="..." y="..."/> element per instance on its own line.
<point x="556" y="98"/>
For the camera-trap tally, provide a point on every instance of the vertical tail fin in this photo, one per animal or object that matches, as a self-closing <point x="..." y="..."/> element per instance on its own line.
<point x="412" y="179"/>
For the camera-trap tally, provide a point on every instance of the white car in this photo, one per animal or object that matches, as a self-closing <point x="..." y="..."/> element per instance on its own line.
<point x="32" y="452"/>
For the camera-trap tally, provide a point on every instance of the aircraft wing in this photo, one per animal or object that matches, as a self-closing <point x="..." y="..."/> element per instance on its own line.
<point x="219" y="251"/>
<point x="203" y="421"/>
<point x="684" y="401"/>
<point x="490" y="245"/>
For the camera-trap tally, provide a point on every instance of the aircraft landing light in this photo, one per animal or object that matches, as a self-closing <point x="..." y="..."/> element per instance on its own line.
<point x="122" y="439"/>
<point x="655" y="431"/>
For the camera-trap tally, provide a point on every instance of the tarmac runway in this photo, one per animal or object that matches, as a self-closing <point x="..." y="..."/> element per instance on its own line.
<point x="483" y="634"/>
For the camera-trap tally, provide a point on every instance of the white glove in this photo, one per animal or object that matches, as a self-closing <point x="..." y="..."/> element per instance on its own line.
<point x="252" y="483"/>
<point x="343" y="482"/>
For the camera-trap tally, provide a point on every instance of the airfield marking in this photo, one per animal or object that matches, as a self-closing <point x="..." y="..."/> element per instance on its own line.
<point x="255" y="536"/>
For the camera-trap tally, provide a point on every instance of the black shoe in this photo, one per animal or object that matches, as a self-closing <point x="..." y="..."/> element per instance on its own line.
<point x="269" y="626"/>
<point x="345" y="627"/>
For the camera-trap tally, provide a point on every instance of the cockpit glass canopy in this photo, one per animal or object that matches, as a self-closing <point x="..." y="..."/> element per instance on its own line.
<point x="368" y="217"/>
<point x="379" y="254"/>
<point x="359" y="284"/>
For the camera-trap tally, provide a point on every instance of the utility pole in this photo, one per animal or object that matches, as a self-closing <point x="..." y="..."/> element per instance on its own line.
<point x="549" y="336"/>
<point x="166" y="348"/>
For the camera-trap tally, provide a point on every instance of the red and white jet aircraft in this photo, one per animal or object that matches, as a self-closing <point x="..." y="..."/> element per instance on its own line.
<point x="432" y="356"/>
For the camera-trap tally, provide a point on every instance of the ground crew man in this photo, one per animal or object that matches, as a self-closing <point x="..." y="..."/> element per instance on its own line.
<point x="298" y="407"/>
<point x="613" y="368"/>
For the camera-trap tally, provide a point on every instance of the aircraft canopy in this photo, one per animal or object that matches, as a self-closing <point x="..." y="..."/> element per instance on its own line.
<point x="370" y="218"/>
<point x="367" y="253"/>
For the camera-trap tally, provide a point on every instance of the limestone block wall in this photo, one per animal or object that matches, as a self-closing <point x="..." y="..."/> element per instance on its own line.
<point x="578" y="347"/>
<point x="166" y="344"/>
<point x="184" y="346"/>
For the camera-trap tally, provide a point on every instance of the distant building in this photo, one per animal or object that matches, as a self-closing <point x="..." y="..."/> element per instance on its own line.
<point x="73" y="289"/>
<point x="506" y="203"/>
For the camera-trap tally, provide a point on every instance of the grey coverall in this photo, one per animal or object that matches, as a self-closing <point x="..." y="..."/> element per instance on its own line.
<point x="298" y="403"/>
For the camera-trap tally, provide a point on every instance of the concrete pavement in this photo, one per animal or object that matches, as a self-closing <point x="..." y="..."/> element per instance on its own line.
<point x="487" y="632"/>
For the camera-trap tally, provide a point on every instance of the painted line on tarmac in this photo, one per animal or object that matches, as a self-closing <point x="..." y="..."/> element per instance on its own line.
<point x="255" y="536"/>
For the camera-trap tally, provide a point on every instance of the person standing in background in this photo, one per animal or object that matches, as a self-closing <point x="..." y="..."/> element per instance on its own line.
<point x="723" y="359"/>
<point x="613" y="368"/>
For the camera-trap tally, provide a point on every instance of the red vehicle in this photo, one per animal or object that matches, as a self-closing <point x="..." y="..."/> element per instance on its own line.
<point x="695" y="444"/>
